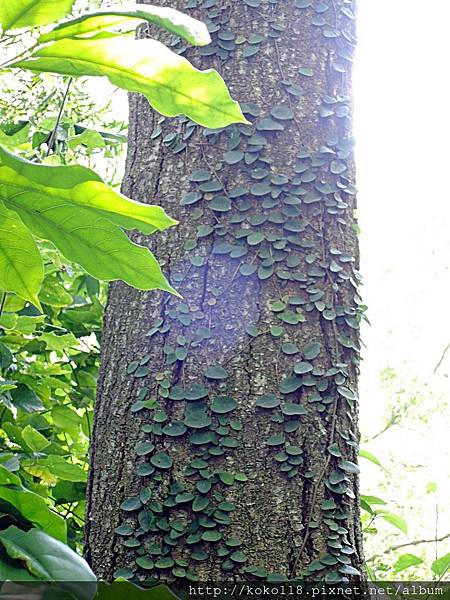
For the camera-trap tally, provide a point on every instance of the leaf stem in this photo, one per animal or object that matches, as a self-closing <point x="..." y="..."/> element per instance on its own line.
<point x="2" y="302"/>
<point x="25" y="53"/>
<point x="51" y="141"/>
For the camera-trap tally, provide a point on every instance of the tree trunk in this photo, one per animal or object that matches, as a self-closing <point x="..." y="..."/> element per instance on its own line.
<point x="227" y="421"/>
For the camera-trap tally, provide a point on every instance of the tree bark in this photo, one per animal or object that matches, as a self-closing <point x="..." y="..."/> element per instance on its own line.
<point x="265" y="257"/>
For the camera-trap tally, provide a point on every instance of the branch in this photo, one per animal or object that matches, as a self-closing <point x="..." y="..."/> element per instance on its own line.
<point x="441" y="359"/>
<point x="413" y="543"/>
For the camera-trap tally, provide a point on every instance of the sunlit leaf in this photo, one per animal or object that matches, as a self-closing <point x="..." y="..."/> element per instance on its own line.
<point x="396" y="521"/>
<point x="34" y="439"/>
<point x="21" y="268"/>
<point x="64" y="470"/>
<point x="67" y="206"/>
<point x="79" y="187"/>
<point x="193" y="31"/>
<point x="169" y="82"/>
<point x="29" y="13"/>
<point x="369" y="456"/>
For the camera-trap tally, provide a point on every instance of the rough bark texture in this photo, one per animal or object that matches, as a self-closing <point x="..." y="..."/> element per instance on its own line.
<point x="284" y="519"/>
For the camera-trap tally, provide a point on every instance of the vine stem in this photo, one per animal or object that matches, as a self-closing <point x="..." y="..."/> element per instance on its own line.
<point x="315" y="491"/>
<point x="52" y="138"/>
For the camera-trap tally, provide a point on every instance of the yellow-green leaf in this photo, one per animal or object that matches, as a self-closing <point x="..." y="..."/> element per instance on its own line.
<point x="21" y="268"/>
<point x="34" y="439"/>
<point x="80" y="187"/>
<point x="193" y="31"/>
<point x="169" y="82"/>
<point x="69" y="206"/>
<point x="15" y="14"/>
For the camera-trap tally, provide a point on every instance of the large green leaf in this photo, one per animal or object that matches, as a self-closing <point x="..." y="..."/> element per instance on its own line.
<point x="50" y="560"/>
<point x="28" y="13"/>
<point x="169" y="82"/>
<point x="96" y="244"/>
<point x="21" y="268"/>
<point x="34" y="509"/>
<point x="68" y="206"/>
<point x="81" y="187"/>
<point x="193" y="31"/>
<point x="12" y="571"/>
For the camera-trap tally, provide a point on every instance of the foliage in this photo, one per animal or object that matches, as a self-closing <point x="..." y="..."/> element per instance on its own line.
<point x="71" y="206"/>
<point x="49" y="366"/>
<point x="403" y="522"/>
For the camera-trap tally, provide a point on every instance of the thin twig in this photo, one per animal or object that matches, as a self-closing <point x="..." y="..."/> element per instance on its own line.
<point x="413" y="543"/>
<point x="54" y="133"/>
<point x="441" y="359"/>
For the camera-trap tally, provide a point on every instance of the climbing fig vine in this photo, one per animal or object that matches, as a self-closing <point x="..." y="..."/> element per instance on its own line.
<point x="270" y="230"/>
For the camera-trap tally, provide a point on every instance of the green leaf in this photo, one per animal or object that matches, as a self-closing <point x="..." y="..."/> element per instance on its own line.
<point x="348" y="466"/>
<point x="21" y="268"/>
<point x="311" y="350"/>
<point x="193" y="31"/>
<point x="275" y="440"/>
<point x="77" y="187"/>
<point x="372" y="499"/>
<point x="226" y="478"/>
<point x="216" y="372"/>
<point x="34" y="439"/>
<point x="6" y="477"/>
<point x="118" y="590"/>
<point x="161" y="460"/>
<point x="369" y="456"/>
<point x="67" y="205"/>
<point x="11" y="571"/>
<point x="26" y="399"/>
<point x="49" y="559"/>
<point x="441" y="565"/>
<point x="223" y="404"/>
<point x="267" y="401"/>
<point x="291" y="409"/>
<point x="170" y="83"/>
<point x="290" y="384"/>
<point x="212" y="536"/>
<point x="29" y="13"/>
<point x="405" y="561"/>
<point x="396" y="521"/>
<point x="34" y="508"/>
<point x="58" y="466"/>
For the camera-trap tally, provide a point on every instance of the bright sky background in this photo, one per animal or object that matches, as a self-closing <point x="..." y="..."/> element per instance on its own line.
<point x="402" y="129"/>
<point x="403" y="132"/>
